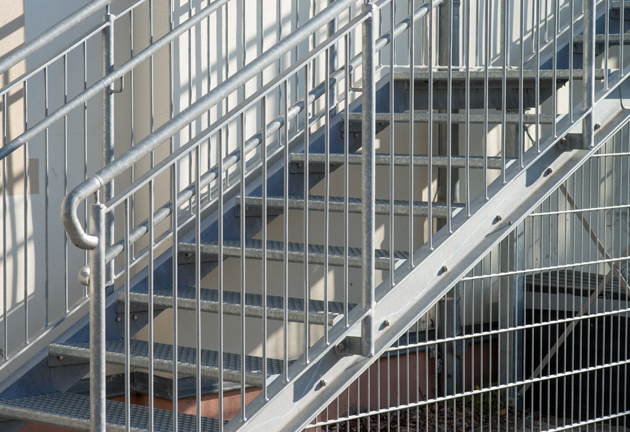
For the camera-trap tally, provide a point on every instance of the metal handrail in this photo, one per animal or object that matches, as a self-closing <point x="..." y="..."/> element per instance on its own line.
<point x="96" y="181"/>
<point x="71" y="202"/>
<point x="52" y="33"/>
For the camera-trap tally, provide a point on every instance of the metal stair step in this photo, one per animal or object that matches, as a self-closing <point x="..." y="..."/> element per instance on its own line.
<point x="617" y="4"/>
<point x="275" y="252"/>
<point x="385" y="118"/>
<point x="73" y="411"/>
<point x="336" y="204"/>
<point x="497" y="75"/>
<point x="186" y="299"/>
<point x="186" y="359"/>
<point x="335" y="159"/>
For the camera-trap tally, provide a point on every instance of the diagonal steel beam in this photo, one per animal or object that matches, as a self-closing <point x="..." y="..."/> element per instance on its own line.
<point x="312" y="386"/>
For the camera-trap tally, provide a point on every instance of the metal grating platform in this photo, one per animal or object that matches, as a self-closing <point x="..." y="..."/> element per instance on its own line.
<point x="187" y="359"/>
<point x="186" y="299"/>
<point x="336" y="204"/>
<point x="275" y="252"/>
<point x="73" y="411"/>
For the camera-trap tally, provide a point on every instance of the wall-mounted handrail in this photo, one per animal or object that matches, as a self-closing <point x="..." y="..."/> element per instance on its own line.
<point x="71" y="202"/>
<point x="51" y="34"/>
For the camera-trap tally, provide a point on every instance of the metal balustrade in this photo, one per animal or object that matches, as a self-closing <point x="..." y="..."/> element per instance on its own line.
<point x="344" y="220"/>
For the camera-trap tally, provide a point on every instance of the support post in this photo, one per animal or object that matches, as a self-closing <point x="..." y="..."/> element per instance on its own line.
<point x="97" y="320"/>
<point x="108" y="131"/>
<point x="588" y="94"/>
<point x="368" y="177"/>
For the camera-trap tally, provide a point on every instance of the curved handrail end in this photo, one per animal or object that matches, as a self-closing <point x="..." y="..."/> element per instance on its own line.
<point x="69" y="216"/>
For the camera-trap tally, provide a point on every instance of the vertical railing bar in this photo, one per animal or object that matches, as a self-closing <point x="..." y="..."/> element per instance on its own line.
<point x="468" y="35"/>
<point x="127" y="324"/>
<point x="392" y="146"/>
<point x="151" y="83"/>
<point x="132" y="170"/>
<point x="307" y="296"/>
<point x="5" y="330"/>
<point x="190" y="77"/>
<point x="607" y="37"/>
<point x="326" y="187"/>
<point x="286" y="179"/>
<point x="520" y="140"/>
<point x="25" y="220"/>
<point x="554" y="97"/>
<point x="588" y="93"/>
<point x="150" y="307"/>
<point x="243" y="230"/>
<point x="226" y="56"/>
<point x="108" y="136"/>
<point x="411" y="130"/>
<point x="505" y="61"/>
<point x="346" y="181"/>
<point x="97" y="319"/>
<point x="175" y="270"/>
<point x="430" y="135"/>
<point x="65" y="192"/>
<point x="46" y="206"/>
<point x="486" y="99"/>
<point x="537" y="17"/>
<point x="571" y="48"/>
<point x="263" y="116"/>
<point x="368" y="177"/>
<point x="621" y="39"/>
<point x="449" y="123"/>
<point x="85" y="151"/>
<point x="198" y="358"/>
<point x="220" y="140"/>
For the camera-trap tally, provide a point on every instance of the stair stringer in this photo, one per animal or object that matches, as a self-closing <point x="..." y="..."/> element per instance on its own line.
<point x="314" y="385"/>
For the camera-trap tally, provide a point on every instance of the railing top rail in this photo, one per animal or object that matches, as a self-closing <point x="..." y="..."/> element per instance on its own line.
<point x="71" y="202"/>
<point x="49" y="35"/>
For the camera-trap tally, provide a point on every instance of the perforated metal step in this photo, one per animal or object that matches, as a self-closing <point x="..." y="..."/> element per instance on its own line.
<point x="186" y="299"/>
<point x="497" y="74"/>
<point x="420" y="117"/>
<point x="186" y="359"/>
<point x="275" y="252"/>
<point x="73" y="411"/>
<point x="336" y="204"/>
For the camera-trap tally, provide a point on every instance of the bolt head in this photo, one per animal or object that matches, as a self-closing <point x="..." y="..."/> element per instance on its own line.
<point x="356" y="135"/>
<point x="499" y="218"/>
<point x="509" y="222"/>
<point x="444" y="269"/>
<point x="118" y="319"/>
<point x="341" y="347"/>
<point x="59" y="358"/>
<point x="299" y="164"/>
<point x="386" y="323"/>
<point x="549" y="170"/>
<point x="135" y="317"/>
<point x="597" y="126"/>
<point x="322" y="383"/>
<point x="188" y="255"/>
<point x="563" y="140"/>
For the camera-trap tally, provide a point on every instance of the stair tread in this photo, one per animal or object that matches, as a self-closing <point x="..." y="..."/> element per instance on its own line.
<point x="232" y="303"/>
<point x="402" y="160"/>
<point x="73" y="411"/>
<point x="336" y="204"/>
<point x="497" y="74"/>
<point x="275" y="252"/>
<point x="423" y="117"/>
<point x="186" y="359"/>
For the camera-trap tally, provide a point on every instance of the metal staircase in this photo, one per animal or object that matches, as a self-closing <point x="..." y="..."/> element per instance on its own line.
<point x="237" y="190"/>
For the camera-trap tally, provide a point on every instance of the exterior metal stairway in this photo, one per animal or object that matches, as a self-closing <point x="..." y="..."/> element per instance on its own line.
<point x="414" y="277"/>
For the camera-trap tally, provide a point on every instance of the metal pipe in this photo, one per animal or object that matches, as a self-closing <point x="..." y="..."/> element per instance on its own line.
<point x="97" y="320"/>
<point x="111" y="171"/>
<point x="51" y="34"/>
<point x="588" y="93"/>
<point x="368" y="178"/>
<point x="108" y="131"/>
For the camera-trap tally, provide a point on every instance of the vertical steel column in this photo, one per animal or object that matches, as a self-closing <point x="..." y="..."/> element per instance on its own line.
<point x="108" y="130"/>
<point x="588" y="94"/>
<point x="97" y="319"/>
<point x="368" y="176"/>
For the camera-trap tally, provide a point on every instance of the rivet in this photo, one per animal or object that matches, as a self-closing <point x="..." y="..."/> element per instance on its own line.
<point x="499" y="218"/>
<point x="59" y="358"/>
<point x="356" y="135"/>
<point x="341" y="347"/>
<point x="135" y="317"/>
<point x="299" y="164"/>
<point x="510" y="223"/>
<point x="322" y="383"/>
<point x="350" y="124"/>
<point x="563" y="140"/>
<point x="386" y="323"/>
<point x="444" y="269"/>
<point x="549" y="170"/>
<point x="118" y="319"/>
<point x="597" y="126"/>
<point x="188" y="255"/>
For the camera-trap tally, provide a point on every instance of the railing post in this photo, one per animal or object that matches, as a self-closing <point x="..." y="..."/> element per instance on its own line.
<point x="588" y="94"/>
<point x="97" y="320"/>
<point x="108" y="130"/>
<point x="368" y="177"/>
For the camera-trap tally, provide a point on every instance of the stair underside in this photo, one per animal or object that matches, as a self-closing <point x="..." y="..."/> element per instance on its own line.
<point x="186" y="360"/>
<point x="402" y="160"/>
<point x="163" y="298"/>
<point x="73" y="411"/>
<point x="275" y="252"/>
<point x="336" y="204"/>
<point x="528" y="119"/>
